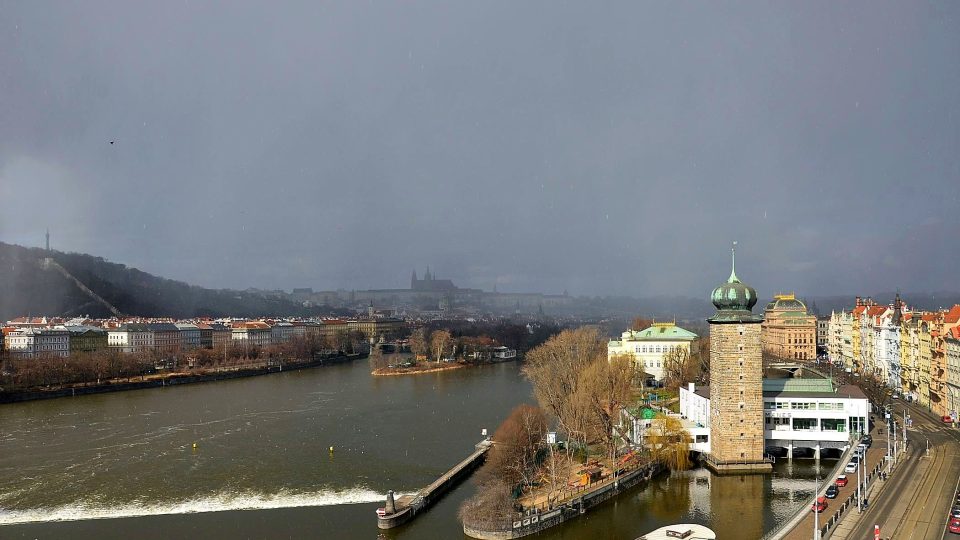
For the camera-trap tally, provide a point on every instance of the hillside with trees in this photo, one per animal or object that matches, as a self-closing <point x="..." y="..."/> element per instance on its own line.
<point x="29" y="287"/>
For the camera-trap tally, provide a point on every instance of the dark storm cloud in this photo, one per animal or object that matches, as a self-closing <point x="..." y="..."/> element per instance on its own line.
<point x="541" y="146"/>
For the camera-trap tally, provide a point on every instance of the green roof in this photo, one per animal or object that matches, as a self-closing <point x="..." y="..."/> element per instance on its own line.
<point x="666" y="333"/>
<point x="798" y="385"/>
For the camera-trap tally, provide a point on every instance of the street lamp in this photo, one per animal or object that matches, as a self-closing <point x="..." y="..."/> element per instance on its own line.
<point x="859" y="482"/>
<point x="816" y="510"/>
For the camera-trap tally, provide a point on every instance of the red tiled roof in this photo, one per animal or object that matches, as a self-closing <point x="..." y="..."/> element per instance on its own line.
<point x="859" y="310"/>
<point x="929" y="316"/>
<point x="955" y="332"/>
<point x="953" y="315"/>
<point x="876" y="310"/>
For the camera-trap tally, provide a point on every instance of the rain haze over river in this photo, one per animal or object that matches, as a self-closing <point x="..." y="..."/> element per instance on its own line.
<point x="117" y="465"/>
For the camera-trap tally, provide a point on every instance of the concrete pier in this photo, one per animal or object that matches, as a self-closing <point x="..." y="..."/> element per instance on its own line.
<point x="407" y="506"/>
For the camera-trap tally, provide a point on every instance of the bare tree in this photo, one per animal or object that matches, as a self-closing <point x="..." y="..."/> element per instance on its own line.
<point x="419" y="344"/>
<point x="440" y="341"/>
<point x="640" y="323"/>
<point x="516" y="443"/>
<point x="603" y="390"/>
<point x="555" y="370"/>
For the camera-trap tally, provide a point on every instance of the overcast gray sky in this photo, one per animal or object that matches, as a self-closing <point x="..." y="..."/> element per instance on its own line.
<point x="603" y="149"/>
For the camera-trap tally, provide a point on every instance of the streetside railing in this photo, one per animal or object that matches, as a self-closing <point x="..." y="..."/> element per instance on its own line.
<point x="786" y="526"/>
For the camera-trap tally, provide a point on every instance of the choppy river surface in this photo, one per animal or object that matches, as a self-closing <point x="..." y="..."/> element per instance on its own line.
<point x="124" y="466"/>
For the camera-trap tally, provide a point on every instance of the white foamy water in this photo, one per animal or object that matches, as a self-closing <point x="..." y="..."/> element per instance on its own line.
<point x="214" y="503"/>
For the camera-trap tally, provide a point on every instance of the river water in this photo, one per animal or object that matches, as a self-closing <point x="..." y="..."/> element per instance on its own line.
<point x="124" y="465"/>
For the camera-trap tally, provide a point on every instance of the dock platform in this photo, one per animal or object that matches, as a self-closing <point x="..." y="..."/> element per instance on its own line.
<point x="404" y="508"/>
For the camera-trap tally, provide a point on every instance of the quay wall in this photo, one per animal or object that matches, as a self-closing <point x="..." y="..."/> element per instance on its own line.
<point x="536" y="522"/>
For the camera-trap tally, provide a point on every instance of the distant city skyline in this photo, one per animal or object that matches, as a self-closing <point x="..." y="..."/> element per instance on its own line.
<point x="604" y="151"/>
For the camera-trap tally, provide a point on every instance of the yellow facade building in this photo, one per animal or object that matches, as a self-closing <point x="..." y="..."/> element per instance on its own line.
<point x="788" y="332"/>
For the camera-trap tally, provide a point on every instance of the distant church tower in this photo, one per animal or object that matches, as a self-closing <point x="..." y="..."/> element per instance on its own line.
<point x="48" y="239"/>
<point x="736" y="379"/>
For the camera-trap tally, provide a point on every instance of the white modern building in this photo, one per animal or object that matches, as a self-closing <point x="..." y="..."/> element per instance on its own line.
<point x="38" y="342"/>
<point x="130" y="338"/>
<point x="798" y="413"/>
<point x="647" y="347"/>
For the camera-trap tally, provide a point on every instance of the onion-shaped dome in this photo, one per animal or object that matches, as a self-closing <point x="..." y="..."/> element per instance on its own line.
<point x="734" y="300"/>
<point x="734" y="295"/>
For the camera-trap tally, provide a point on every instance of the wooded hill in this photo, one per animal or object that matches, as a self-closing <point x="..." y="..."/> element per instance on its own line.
<point x="30" y="287"/>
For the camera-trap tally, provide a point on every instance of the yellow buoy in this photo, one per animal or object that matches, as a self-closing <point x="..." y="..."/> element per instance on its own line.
<point x="331" y="449"/>
<point x="194" y="446"/>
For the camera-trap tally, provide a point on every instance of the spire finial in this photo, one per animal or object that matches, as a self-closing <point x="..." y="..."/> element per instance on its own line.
<point x="733" y="264"/>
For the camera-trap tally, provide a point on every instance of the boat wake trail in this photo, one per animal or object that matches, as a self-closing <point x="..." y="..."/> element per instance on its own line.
<point x="213" y="503"/>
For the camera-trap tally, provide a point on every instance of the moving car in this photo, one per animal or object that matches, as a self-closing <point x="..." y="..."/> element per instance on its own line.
<point x="820" y="505"/>
<point x="946" y="419"/>
<point x="832" y="492"/>
<point x="841" y="480"/>
<point x="850" y="468"/>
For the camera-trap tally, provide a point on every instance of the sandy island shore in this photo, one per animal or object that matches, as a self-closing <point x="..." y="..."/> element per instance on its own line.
<point x="386" y="372"/>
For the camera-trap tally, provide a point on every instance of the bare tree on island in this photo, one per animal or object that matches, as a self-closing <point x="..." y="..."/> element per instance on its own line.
<point x="511" y="464"/>
<point x="554" y="369"/>
<point x="419" y="344"/>
<point x="640" y="323"/>
<point x="440" y="341"/>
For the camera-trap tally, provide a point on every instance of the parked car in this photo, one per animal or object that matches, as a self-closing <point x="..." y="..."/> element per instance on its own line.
<point x="820" y="505"/>
<point x="850" y="468"/>
<point x="954" y="526"/>
<point x="832" y="492"/>
<point x="867" y="440"/>
<point x="841" y="480"/>
<point x="955" y="513"/>
<point x="946" y="419"/>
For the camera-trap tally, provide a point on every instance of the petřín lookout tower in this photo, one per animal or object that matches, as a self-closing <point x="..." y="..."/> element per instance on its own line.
<point x="736" y="372"/>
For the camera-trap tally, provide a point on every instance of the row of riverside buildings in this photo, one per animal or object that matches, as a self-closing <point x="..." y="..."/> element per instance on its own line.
<point x="787" y="333"/>
<point x="31" y="337"/>
<point x="916" y="353"/>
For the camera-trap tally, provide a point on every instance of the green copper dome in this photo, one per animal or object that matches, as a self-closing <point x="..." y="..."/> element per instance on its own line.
<point x="734" y="300"/>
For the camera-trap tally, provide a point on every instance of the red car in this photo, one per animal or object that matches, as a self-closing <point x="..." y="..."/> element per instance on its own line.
<point x="954" y="526"/>
<point x="820" y="505"/>
<point x="841" y="480"/>
<point x="947" y="419"/>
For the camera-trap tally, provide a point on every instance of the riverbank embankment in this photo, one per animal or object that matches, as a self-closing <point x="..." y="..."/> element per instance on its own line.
<point x="536" y="520"/>
<point x="173" y="378"/>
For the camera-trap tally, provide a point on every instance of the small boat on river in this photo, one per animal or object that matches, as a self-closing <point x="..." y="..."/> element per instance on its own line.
<point x="687" y="531"/>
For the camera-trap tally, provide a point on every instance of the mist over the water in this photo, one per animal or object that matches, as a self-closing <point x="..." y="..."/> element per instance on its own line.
<point x="612" y="149"/>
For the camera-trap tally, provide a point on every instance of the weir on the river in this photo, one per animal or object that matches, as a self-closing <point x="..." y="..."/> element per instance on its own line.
<point x="407" y="506"/>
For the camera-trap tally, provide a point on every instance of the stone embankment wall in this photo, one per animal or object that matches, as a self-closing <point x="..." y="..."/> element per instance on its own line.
<point x="539" y="521"/>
